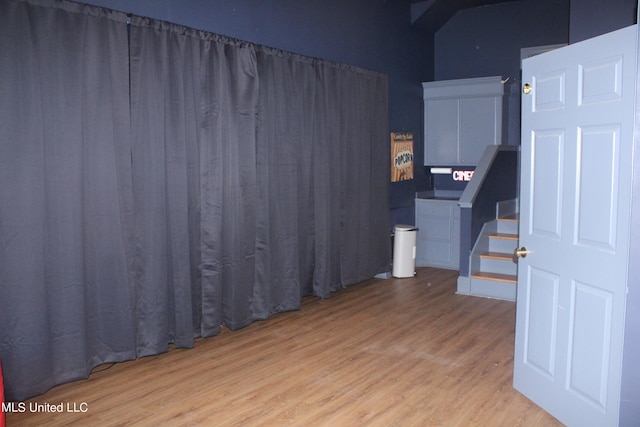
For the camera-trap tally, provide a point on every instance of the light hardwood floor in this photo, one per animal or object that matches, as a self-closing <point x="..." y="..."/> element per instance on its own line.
<point x="395" y="352"/>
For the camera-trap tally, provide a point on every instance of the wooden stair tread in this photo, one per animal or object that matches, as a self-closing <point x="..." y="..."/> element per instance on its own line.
<point x="503" y="236"/>
<point x="497" y="255"/>
<point x="509" y="278"/>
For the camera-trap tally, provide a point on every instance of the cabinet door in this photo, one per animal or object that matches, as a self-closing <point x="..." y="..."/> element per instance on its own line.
<point x="437" y="254"/>
<point x="478" y="128"/>
<point x="438" y="225"/>
<point x="441" y="130"/>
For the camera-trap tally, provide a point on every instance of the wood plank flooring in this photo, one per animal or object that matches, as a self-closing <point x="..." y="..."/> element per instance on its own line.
<point x="395" y="352"/>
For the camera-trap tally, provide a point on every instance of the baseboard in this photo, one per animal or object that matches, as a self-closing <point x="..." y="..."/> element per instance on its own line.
<point x="385" y="275"/>
<point x="493" y="289"/>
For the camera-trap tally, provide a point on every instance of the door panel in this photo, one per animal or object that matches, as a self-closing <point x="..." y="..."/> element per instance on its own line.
<point x="601" y="81"/>
<point x="550" y="91"/>
<point x="589" y="342"/>
<point x="542" y="321"/>
<point x="596" y="221"/>
<point x="577" y="135"/>
<point x="546" y="185"/>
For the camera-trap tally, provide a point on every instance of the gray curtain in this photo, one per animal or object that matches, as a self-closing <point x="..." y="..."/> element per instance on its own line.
<point x="159" y="183"/>
<point x="193" y="109"/>
<point x="323" y="170"/>
<point x="66" y="298"/>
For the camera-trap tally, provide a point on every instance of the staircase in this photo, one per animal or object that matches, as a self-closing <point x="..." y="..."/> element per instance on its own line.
<point x="493" y="270"/>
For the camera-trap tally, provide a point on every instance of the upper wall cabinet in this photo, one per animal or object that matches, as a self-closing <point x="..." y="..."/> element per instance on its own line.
<point x="461" y="117"/>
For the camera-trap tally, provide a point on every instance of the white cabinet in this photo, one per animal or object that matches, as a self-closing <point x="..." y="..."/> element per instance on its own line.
<point x="461" y="117"/>
<point x="438" y="239"/>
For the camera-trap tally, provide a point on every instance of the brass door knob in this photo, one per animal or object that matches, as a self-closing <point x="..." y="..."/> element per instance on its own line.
<point x="520" y="253"/>
<point x="526" y="89"/>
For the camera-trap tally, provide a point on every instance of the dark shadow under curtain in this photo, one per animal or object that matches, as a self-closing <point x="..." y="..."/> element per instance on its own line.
<point x="158" y="183"/>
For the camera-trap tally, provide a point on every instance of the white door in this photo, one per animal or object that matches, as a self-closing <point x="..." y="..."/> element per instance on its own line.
<point x="577" y="134"/>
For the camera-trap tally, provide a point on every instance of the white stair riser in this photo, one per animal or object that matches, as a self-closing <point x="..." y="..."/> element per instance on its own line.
<point x="507" y="227"/>
<point x="502" y="245"/>
<point x="493" y="289"/>
<point x="491" y="265"/>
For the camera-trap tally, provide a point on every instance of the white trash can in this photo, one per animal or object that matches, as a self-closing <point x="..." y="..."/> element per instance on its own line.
<point x="404" y="251"/>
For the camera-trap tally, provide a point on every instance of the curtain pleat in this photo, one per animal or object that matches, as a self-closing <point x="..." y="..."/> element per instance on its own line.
<point x="364" y="166"/>
<point x="280" y="140"/>
<point x="328" y="149"/>
<point x="159" y="183"/>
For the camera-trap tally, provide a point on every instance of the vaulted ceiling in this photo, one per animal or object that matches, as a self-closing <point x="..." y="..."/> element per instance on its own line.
<point x="432" y="14"/>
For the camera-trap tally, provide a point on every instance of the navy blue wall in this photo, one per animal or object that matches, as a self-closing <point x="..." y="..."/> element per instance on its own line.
<point x="486" y="41"/>
<point x="373" y="34"/>
<point x="590" y="18"/>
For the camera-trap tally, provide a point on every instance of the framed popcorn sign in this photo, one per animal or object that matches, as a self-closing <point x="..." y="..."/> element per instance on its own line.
<point x="401" y="156"/>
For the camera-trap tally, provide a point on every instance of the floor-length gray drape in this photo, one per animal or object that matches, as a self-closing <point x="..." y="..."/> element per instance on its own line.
<point x="323" y="183"/>
<point x="66" y="301"/>
<point x="160" y="182"/>
<point x="193" y="109"/>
